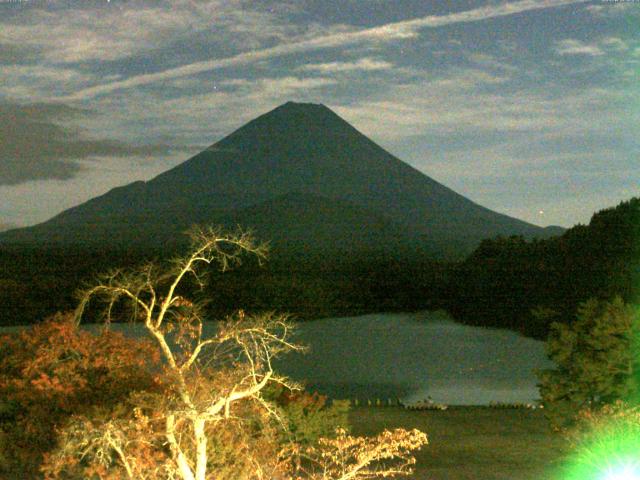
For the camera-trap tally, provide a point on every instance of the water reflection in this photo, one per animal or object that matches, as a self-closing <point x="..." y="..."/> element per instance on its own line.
<point x="409" y="357"/>
<point x="415" y="356"/>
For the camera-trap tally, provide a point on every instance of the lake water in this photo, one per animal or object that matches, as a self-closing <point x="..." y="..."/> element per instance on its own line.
<point x="412" y="357"/>
<point x="416" y="356"/>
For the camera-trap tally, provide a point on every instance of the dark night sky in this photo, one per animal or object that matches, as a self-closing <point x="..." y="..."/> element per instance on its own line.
<point x="527" y="107"/>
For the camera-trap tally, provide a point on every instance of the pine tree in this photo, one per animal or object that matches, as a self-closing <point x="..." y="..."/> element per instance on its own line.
<point x="596" y="357"/>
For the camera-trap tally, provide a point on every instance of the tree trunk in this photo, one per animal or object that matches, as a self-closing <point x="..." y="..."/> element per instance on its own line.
<point x="201" y="448"/>
<point x="176" y="451"/>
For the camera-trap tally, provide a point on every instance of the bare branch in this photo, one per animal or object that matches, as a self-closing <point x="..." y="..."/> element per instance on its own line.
<point x="211" y="381"/>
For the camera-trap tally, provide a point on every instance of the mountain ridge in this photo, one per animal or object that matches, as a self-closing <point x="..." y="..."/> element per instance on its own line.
<point x="295" y="149"/>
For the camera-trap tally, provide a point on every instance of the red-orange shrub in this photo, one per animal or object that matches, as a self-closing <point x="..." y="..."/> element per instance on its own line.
<point x="53" y="370"/>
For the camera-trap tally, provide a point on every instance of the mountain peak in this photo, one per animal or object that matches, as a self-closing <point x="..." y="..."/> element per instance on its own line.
<point x="338" y="176"/>
<point x="301" y="123"/>
<point x="298" y="109"/>
<point x="302" y="106"/>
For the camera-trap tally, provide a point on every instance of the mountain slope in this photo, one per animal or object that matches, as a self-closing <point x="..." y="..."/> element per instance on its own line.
<point x="298" y="155"/>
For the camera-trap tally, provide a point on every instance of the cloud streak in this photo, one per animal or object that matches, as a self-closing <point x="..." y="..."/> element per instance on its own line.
<point x="576" y="47"/>
<point x="88" y="31"/>
<point x="34" y="145"/>
<point x="597" y="48"/>
<point x="384" y="33"/>
<point x="363" y="64"/>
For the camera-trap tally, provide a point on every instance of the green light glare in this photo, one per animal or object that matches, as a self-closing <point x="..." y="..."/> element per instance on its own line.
<point x="624" y="472"/>
<point x="609" y="453"/>
<point x="608" y="447"/>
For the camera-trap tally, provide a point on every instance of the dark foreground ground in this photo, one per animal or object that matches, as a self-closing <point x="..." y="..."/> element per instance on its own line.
<point x="474" y="443"/>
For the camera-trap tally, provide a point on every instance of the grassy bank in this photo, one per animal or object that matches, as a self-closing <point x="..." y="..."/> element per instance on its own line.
<point x="474" y="443"/>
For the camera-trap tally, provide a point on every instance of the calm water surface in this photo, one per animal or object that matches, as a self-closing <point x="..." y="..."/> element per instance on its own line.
<point x="411" y="357"/>
<point x="415" y="356"/>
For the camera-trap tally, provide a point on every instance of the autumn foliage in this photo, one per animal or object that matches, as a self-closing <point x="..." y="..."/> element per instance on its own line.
<point x="54" y="370"/>
<point x="182" y="405"/>
<point x="344" y="457"/>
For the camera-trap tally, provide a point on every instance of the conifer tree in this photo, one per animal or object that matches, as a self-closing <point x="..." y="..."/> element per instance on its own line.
<point x="595" y="356"/>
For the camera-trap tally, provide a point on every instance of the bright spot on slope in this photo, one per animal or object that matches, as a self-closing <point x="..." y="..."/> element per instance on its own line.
<point x="623" y="472"/>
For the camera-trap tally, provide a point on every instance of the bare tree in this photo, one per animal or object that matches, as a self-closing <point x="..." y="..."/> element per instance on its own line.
<point x="208" y="383"/>
<point x="244" y="345"/>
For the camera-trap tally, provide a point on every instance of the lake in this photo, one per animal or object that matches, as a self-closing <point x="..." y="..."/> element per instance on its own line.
<point x="415" y="356"/>
<point x="411" y="357"/>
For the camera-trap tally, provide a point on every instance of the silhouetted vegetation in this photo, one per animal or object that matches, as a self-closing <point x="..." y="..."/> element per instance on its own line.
<point x="315" y="290"/>
<point x="596" y="359"/>
<point x="506" y="282"/>
<point x="525" y="286"/>
<point x="36" y="282"/>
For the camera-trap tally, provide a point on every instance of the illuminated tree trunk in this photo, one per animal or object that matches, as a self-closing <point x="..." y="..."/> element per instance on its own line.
<point x="201" y="448"/>
<point x="250" y="344"/>
<point x="176" y="451"/>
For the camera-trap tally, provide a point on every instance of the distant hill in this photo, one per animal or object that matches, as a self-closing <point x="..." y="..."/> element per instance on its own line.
<point x="553" y="231"/>
<point x="509" y="282"/>
<point x="303" y="178"/>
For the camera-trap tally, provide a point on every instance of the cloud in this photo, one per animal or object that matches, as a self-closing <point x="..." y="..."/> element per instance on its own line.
<point x="233" y="101"/>
<point x="597" y="48"/>
<point x="284" y="86"/>
<point x="484" y="60"/>
<point x="11" y="53"/>
<point x="29" y="83"/>
<point x="36" y="145"/>
<point x="108" y="31"/>
<point x="613" y="9"/>
<point x="461" y="99"/>
<point x="576" y="47"/>
<point x="389" y="32"/>
<point x="615" y="44"/>
<point x="447" y="113"/>
<point x="36" y="201"/>
<point x="362" y="64"/>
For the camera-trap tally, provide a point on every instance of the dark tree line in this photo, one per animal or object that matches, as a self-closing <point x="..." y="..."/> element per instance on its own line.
<point x="36" y="282"/>
<point x="505" y="282"/>
<point x="525" y="286"/>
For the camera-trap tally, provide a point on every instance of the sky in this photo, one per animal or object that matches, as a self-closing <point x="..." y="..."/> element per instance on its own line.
<point x="528" y="107"/>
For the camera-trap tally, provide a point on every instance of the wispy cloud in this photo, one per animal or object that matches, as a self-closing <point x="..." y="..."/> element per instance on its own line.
<point x="388" y="32"/>
<point x="576" y="47"/>
<point x="36" y="145"/>
<point x="364" y="64"/>
<point x="454" y="105"/>
<point x="29" y="82"/>
<point x="23" y="204"/>
<point x="484" y="60"/>
<point x="111" y="31"/>
<point x="595" y="48"/>
<point x="615" y="44"/>
<point x="614" y="9"/>
<point x="200" y="118"/>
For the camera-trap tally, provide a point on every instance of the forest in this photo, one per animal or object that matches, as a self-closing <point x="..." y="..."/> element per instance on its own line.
<point x="179" y="405"/>
<point x="506" y="282"/>
<point x="528" y="285"/>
